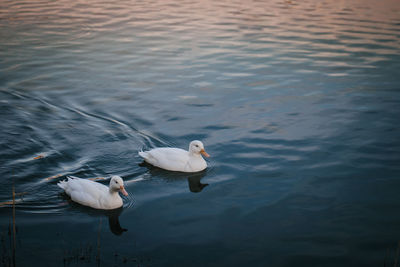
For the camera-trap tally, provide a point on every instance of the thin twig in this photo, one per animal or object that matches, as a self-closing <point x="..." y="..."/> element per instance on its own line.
<point x="98" y="245"/>
<point x="13" y="224"/>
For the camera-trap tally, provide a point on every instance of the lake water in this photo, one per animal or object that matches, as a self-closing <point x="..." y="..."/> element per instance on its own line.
<point x="297" y="102"/>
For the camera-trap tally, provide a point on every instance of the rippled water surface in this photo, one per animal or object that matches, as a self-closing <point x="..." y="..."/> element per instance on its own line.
<point x="297" y="102"/>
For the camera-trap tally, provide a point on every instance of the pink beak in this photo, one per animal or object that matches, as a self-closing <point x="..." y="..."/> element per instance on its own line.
<point x="123" y="191"/>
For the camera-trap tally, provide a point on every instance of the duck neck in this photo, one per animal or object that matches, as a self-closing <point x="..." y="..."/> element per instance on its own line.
<point x="112" y="191"/>
<point x="193" y="154"/>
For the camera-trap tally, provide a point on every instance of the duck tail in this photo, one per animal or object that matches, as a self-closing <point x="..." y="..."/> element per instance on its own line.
<point x="143" y="154"/>
<point x="62" y="184"/>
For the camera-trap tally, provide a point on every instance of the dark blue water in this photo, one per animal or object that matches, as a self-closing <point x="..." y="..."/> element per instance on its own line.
<point x="297" y="102"/>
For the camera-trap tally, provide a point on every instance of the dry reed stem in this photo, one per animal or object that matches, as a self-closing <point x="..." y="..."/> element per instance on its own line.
<point x="98" y="245"/>
<point x="13" y="227"/>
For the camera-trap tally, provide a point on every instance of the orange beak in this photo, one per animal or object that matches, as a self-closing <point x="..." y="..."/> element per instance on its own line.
<point x="123" y="191"/>
<point x="204" y="153"/>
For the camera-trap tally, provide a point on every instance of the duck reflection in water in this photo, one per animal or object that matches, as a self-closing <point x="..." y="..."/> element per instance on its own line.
<point x="195" y="184"/>
<point x="113" y="221"/>
<point x="112" y="215"/>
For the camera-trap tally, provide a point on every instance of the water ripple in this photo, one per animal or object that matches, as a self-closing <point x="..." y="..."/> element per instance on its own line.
<point x="296" y="101"/>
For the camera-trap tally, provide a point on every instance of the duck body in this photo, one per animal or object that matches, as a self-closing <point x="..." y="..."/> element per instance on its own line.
<point x="94" y="194"/>
<point x="176" y="159"/>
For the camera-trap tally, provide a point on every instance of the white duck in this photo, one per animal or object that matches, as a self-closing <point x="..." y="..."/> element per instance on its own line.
<point x="93" y="194"/>
<point x="176" y="159"/>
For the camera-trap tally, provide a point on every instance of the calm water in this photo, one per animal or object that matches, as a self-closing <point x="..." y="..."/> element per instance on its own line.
<point x="297" y="102"/>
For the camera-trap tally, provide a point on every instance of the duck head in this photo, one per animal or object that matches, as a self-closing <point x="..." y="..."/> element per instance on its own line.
<point x="197" y="147"/>
<point x="117" y="184"/>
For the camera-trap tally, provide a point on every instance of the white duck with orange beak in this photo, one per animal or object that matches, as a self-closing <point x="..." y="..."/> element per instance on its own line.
<point x="176" y="159"/>
<point x="94" y="194"/>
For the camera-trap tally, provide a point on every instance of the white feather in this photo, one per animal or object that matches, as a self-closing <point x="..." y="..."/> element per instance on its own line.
<point x="176" y="159"/>
<point x="93" y="194"/>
